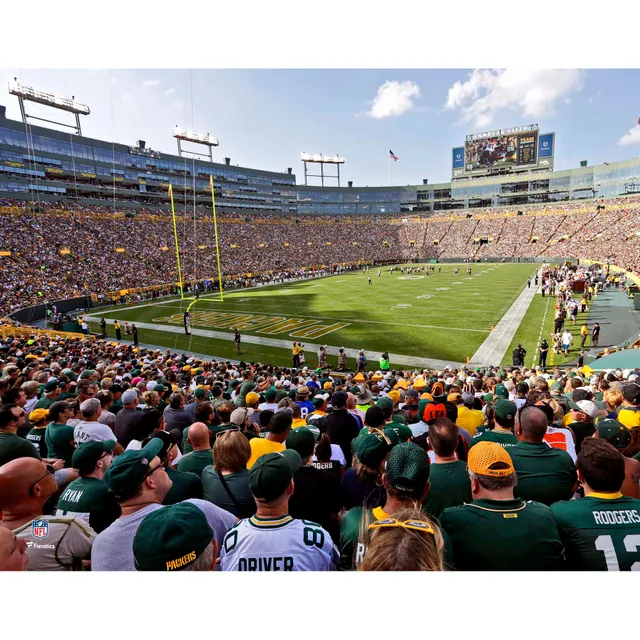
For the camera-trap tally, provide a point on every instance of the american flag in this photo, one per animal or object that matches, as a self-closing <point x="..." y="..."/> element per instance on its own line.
<point x="395" y="157"/>
<point x="638" y="120"/>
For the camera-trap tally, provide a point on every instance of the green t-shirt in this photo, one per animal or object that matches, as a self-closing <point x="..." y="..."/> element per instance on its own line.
<point x="503" y="535"/>
<point x="503" y="438"/>
<point x="450" y="487"/>
<point x="185" y="486"/>
<point x="36" y="436"/>
<point x="116" y="406"/>
<point x="195" y="462"/>
<point x="89" y="499"/>
<point x="66" y="396"/>
<point x="44" y="403"/>
<point x="545" y="474"/>
<point x="187" y="448"/>
<point x="59" y="441"/>
<point x="13" y="446"/>
<point x="351" y="550"/>
<point x="600" y="533"/>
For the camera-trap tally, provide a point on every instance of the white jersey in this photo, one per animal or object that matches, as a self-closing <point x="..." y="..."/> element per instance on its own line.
<point x="278" y="544"/>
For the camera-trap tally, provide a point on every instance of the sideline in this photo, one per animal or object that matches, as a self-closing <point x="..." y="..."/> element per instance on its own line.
<point x="372" y="357"/>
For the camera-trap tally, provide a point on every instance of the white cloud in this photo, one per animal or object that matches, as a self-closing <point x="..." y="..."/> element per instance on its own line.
<point x="532" y="92"/>
<point x="127" y="96"/>
<point x="631" y="137"/>
<point x="594" y="97"/>
<point x="393" y="99"/>
<point x="150" y="83"/>
<point x="169" y="91"/>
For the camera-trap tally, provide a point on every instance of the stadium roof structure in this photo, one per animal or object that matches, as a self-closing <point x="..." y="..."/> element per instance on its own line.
<point x="627" y="359"/>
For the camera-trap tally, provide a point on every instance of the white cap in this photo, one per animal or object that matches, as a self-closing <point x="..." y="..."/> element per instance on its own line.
<point x="588" y="407"/>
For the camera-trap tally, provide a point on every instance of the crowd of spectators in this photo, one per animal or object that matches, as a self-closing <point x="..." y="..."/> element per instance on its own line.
<point x="60" y="251"/>
<point x="131" y="459"/>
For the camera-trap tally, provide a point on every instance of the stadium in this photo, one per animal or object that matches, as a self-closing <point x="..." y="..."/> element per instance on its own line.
<point x="173" y="304"/>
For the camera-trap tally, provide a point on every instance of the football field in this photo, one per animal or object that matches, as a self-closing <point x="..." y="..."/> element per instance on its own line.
<point x="420" y="320"/>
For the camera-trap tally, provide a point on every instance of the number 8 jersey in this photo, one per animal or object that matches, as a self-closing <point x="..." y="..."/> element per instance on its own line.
<point x="601" y="532"/>
<point x="278" y="544"/>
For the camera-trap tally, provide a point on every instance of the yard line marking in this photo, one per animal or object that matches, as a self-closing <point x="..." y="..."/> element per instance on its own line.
<point x="412" y="361"/>
<point x="544" y="317"/>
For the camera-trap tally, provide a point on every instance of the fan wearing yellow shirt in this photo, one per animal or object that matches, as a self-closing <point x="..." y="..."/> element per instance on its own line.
<point x="279" y="427"/>
<point x="468" y="417"/>
<point x="629" y="413"/>
<point x="298" y="420"/>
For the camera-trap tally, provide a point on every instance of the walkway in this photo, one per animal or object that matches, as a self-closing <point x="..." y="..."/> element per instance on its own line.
<point x="492" y="350"/>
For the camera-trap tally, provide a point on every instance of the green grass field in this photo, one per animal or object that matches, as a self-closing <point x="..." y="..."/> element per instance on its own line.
<point x="442" y="317"/>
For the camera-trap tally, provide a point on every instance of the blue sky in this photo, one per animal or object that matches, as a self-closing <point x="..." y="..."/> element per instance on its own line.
<point x="265" y="119"/>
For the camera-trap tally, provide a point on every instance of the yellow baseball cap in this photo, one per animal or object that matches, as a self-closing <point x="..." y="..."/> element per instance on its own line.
<point x="38" y="414"/>
<point x="252" y="398"/>
<point x="483" y="455"/>
<point x="426" y="396"/>
<point x="395" y="396"/>
<point x="327" y="385"/>
<point x="452" y="397"/>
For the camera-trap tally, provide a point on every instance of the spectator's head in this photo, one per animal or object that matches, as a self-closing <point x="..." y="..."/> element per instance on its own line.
<point x="150" y="421"/>
<point x="375" y="418"/>
<point x="372" y="450"/>
<point x="491" y="471"/>
<point x="90" y="409"/>
<point x="130" y="399"/>
<point x="271" y="478"/>
<point x="600" y="466"/>
<point x="105" y="398"/>
<point x="176" y="538"/>
<point x="151" y="398"/>
<point x="505" y="413"/>
<point x="407" y="542"/>
<point x="85" y="390"/>
<point x="612" y="399"/>
<point x="339" y="400"/>
<point x="139" y="476"/>
<point x="11" y="418"/>
<point x="198" y="436"/>
<point x="531" y="424"/>
<point x="92" y="459"/>
<point x="231" y="451"/>
<point x="176" y="400"/>
<point x="280" y="425"/>
<point x="626" y="440"/>
<point x="631" y="394"/>
<point x="60" y="412"/>
<point x="38" y="418"/>
<point x="224" y="412"/>
<point x="25" y="485"/>
<point x="443" y="437"/>
<point x="406" y="475"/>
<point x="31" y="389"/>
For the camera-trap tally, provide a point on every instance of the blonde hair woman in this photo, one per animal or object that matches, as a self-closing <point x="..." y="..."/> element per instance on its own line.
<point x="409" y="541"/>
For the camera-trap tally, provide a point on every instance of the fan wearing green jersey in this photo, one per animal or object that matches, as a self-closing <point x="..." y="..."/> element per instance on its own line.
<point x="502" y="432"/>
<point x="498" y="532"/>
<point x="601" y="532"/>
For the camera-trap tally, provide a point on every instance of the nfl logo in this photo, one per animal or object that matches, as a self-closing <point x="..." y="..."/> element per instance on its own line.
<point x="39" y="528"/>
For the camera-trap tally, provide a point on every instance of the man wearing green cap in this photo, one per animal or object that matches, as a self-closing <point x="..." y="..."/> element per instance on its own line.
<point x="51" y="392"/>
<point x="601" y="532"/>
<point x="88" y="497"/>
<point x="406" y="483"/>
<point x="502" y="432"/>
<point x="176" y="538"/>
<point x="318" y="495"/>
<point x="138" y="479"/>
<point x="272" y="540"/>
<point x="545" y="474"/>
<point x="619" y="436"/>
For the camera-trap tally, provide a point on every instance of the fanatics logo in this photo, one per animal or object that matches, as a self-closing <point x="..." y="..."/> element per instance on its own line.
<point x="39" y="528"/>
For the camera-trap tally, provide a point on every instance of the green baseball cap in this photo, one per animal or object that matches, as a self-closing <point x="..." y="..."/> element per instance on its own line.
<point x="392" y="434"/>
<point x="87" y="373"/>
<point x="421" y="406"/>
<point x="171" y="538"/>
<point x="128" y="470"/>
<point x="407" y="468"/>
<point x="270" y="394"/>
<point x="488" y="397"/>
<point x="506" y="410"/>
<point x="159" y="388"/>
<point x="301" y="440"/>
<point x="372" y="448"/>
<point x="403" y="432"/>
<point x="385" y="401"/>
<point x="271" y="474"/>
<point x="502" y="391"/>
<point x="199" y="393"/>
<point x="398" y="419"/>
<point x="556" y="386"/>
<point x="614" y="432"/>
<point x="87" y="454"/>
<point x="355" y="390"/>
<point x="52" y="385"/>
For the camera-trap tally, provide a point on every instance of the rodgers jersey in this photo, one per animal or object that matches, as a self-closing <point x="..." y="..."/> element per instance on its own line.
<point x="278" y="544"/>
<point x="600" y="532"/>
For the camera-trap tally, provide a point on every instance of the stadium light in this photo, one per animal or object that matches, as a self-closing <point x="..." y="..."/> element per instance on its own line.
<point x="25" y="93"/>
<point x="198" y="138"/>
<point x="319" y="157"/>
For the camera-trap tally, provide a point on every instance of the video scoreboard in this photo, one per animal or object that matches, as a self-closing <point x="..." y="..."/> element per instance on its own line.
<point x="504" y="151"/>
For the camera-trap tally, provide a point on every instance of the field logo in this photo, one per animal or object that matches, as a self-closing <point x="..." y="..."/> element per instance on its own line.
<point x="40" y="528"/>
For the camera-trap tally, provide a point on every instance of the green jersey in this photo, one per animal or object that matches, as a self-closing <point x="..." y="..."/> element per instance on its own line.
<point x="89" y="499"/>
<point x="13" y="446"/>
<point x="36" y="437"/>
<point x="545" y="474"/>
<point x="44" y="403"/>
<point x="185" y="486"/>
<point x="503" y="438"/>
<point x="352" y="549"/>
<point x="196" y="461"/>
<point x="601" y="532"/>
<point x="503" y="535"/>
<point x="450" y="487"/>
<point x="59" y="441"/>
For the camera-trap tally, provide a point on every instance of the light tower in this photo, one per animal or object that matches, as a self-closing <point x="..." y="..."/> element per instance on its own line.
<point x="197" y="138"/>
<point x="321" y="159"/>
<point x="26" y="93"/>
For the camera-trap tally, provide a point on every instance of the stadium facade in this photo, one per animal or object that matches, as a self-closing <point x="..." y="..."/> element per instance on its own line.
<point x="38" y="163"/>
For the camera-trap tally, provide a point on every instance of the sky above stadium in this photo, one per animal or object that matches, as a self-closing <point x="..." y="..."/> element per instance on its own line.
<point x="265" y="119"/>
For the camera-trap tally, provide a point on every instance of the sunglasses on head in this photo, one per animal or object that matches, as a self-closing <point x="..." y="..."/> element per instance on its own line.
<point x="414" y="525"/>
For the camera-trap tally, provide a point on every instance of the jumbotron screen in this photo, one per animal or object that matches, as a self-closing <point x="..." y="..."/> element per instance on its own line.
<point x="501" y="148"/>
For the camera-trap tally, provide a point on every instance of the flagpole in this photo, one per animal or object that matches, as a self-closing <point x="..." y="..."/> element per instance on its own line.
<point x="389" y="168"/>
